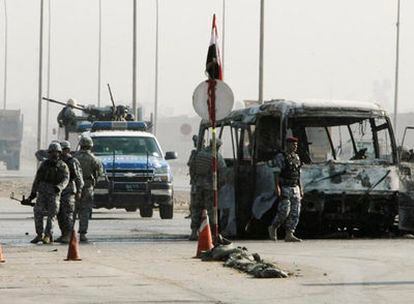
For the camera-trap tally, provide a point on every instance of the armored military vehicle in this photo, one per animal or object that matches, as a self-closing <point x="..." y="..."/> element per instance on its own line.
<point x="11" y="130"/>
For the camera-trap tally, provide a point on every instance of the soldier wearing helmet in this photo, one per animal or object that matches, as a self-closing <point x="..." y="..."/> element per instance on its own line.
<point x="51" y="178"/>
<point x="200" y="167"/>
<point x="67" y="117"/>
<point x="91" y="169"/>
<point x="289" y="191"/>
<point x="71" y="193"/>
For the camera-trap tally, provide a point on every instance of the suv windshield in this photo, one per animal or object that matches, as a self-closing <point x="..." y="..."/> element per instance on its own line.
<point x="125" y="146"/>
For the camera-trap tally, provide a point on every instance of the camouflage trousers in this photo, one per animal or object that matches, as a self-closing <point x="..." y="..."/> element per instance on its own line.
<point x="66" y="211"/>
<point x="46" y="204"/>
<point x="288" y="210"/>
<point x="84" y="209"/>
<point x="202" y="199"/>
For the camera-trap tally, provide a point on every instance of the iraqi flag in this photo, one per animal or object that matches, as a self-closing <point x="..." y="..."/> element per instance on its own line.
<point x="213" y="64"/>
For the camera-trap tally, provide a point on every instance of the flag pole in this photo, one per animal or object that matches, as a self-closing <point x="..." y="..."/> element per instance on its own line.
<point x="223" y="32"/>
<point x="397" y="61"/>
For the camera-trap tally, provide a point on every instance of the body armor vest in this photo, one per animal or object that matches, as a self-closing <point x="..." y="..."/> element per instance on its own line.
<point x="51" y="173"/>
<point x="290" y="174"/>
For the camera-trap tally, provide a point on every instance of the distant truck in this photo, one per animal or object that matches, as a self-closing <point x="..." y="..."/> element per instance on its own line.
<point x="137" y="174"/>
<point x="11" y="130"/>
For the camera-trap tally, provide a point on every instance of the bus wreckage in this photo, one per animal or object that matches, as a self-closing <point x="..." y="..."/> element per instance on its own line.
<point x="351" y="176"/>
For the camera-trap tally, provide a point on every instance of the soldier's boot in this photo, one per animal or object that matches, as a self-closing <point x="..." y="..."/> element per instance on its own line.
<point x="272" y="229"/>
<point x="47" y="239"/>
<point x="193" y="235"/>
<point x="83" y="238"/>
<point x="65" y="238"/>
<point x="291" y="238"/>
<point x="59" y="239"/>
<point x="37" y="239"/>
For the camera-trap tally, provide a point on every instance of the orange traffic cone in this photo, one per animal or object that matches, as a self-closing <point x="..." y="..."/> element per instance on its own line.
<point x="2" y="259"/>
<point x="205" y="241"/>
<point x="73" y="250"/>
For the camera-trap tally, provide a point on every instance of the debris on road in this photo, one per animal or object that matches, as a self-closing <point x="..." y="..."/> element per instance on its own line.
<point x="239" y="258"/>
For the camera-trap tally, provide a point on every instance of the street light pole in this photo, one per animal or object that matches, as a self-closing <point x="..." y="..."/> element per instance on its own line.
<point x="39" y="102"/>
<point x="48" y="69"/>
<point x="134" y="59"/>
<point x="99" y="52"/>
<point x="261" y="51"/>
<point x="5" y="56"/>
<point x="156" y="67"/>
<point x="397" y="62"/>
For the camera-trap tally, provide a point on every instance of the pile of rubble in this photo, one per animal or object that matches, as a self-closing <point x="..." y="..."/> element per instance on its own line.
<point x="240" y="259"/>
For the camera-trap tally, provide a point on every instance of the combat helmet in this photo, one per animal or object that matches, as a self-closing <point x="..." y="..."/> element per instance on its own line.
<point x="65" y="144"/>
<point x="86" y="141"/>
<point x="71" y="102"/>
<point x="54" y="147"/>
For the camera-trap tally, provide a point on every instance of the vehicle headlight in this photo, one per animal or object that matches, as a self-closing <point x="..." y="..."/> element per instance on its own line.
<point x="162" y="174"/>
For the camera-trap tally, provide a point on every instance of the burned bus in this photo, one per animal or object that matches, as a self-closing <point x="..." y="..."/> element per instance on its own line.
<point x="350" y="174"/>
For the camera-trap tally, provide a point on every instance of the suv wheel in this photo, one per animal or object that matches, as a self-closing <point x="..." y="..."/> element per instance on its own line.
<point x="146" y="211"/>
<point x="166" y="211"/>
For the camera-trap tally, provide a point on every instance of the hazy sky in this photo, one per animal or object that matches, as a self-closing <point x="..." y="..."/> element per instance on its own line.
<point x="313" y="48"/>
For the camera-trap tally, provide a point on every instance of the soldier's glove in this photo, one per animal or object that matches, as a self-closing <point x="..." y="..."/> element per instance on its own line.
<point x="57" y="189"/>
<point x="31" y="197"/>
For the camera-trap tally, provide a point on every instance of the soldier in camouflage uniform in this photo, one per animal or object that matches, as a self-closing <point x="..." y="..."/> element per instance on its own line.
<point x="67" y="117"/>
<point x="51" y="178"/>
<point x="204" y="195"/>
<point x="289" y="191"/>
<point x="71" y="193"/>
<point x="91" y="169"/>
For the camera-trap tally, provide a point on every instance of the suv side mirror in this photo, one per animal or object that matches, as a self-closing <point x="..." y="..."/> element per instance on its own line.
<point x="170" y="155"/>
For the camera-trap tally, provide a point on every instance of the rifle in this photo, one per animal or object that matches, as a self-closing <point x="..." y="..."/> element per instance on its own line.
<point x="23" y="201"/>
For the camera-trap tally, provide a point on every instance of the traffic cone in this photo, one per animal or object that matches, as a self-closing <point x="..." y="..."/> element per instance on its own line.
<point x="205" y="241"/>
<point x="73" y="250"/>
<point x="2" y="259"/>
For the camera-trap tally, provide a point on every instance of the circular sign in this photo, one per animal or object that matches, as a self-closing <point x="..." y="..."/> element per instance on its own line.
<point x="186" y="129"/>
<point x="224" y="100"/>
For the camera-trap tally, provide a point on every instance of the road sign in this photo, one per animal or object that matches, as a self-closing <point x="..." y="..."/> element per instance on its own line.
<point x="224" y="100"/>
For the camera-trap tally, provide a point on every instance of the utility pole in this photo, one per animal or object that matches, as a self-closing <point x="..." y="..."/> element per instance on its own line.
<point x="156" y="67"/>
<point x="261" y="51"/>
<point x="134" y="59"/>
<point x="39" y="103"/>
<point x="397" y="63"/>
<point x="223" y="33"/>
<point x="5" y="56"/>
<point x="48" y="69"/>
<point x="99" y="52"/>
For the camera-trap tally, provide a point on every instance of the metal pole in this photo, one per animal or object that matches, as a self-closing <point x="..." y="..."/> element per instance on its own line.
<point x="39" y="104"/>
<point x="261" y="51"/>
<point x="223" y="36"/>
<point x="48" y="70"/>
<point x="156" y="67"/>
<point x="5" y="56"/>
<point x="134" y="59"/>
<point x="397" y="58"/>
<point x="99" y="52"/>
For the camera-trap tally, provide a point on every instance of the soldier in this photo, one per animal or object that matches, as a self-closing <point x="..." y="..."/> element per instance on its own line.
<point x="204" y="198"/>
<point x="91" y="169"/>
<point x="288" y="190"/>
<point x="51" y="178"/>
<point x="71" y="193"/>
<point x="193" y="177"/>
<point x="67" y="117"/>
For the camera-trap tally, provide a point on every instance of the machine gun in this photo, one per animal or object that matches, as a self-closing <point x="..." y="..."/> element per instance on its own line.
<point x="23" y="201"/>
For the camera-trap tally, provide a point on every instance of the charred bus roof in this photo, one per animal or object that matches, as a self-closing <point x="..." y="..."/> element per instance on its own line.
<point x="305" y="108"/>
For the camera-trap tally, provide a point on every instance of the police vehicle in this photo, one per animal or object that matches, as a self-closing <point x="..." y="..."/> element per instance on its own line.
<point x="137" y="174"/>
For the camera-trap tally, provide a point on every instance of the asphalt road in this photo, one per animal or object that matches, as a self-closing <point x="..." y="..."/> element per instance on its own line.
<point x="136" y="260"/>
